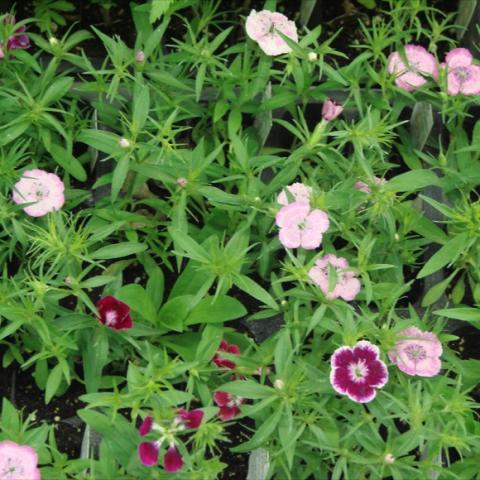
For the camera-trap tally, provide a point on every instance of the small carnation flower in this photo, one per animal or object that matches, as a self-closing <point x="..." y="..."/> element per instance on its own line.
<point x="346" y="284"/>
<point x="420" y="64"/>
<point x="114" y="313"/>
<point x="221" y="362"/>
<point x="417" y="353"/>
<point x="358" y="372"/>
<point x="299" y="192"/>
<point x="191" y="419"/>
<point x="262" y="27"/>
<point x="18" y="40"/>
<point x="462" y="75"/>
<point x="228" y="405"/>
<point x="331" y="110"/>
<point x="300" y="226"/>
<point x="365" y="188"/>
<point x="44" y="190"/>
<point x="18" y="462"/>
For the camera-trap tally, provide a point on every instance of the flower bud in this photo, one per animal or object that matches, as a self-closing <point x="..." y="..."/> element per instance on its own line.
<point x="140" y="56"/>
<point x="389" y="458"/>
<point x="331" y="110"/>
<point x="312" y="56"/>
<point x="124" y="143"/>
<point x="182" y="182"/>
<point x="279" y="384"/>
<point x="53" y="41"/>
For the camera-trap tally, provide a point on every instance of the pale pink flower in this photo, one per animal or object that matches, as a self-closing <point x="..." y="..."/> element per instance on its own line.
<point x="365" y="188"/>
<point x="346" y="284"/>
<point x="300" y="226"/>
<point x="299" y="192"/>
<point x="43" y="189"/>
<point x="331" y="109"/>
<point x="462" y="75"/>
<point x="417" y="353"/>
<point x="18" y="462"/>
<point x="262" y="27"/>
<point x="420" y="64"/>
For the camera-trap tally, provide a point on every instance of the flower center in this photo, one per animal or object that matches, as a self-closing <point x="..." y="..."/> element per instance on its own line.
<point x="11" y="470"/>
<point x="111" y="317"/>
<point x="415" y="352"/>
<point x="358" y="371"/>
<point x="462" y="74"/>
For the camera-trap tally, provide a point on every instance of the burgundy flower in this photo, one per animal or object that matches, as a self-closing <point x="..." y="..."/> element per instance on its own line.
<point x="191" y="419"/>
<point x="18" y="39"/>
<point x="223" y="362"/>
<point x="357" y="372"/>
<point x="146" y="426"/>
<point x="228" y="405"/>
<point x="172" y="461"/>
<point x="114" y="313"/>
<point x="148" y="453"/>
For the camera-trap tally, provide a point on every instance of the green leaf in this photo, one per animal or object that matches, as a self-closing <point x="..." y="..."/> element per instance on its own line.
<point x="105" y="142"/>
<point x="56" y="91"/>
<point x="192" y="249"/>
<point x="435" y="292"/>
<point x="255" y="290"/>
<point x="462" y="313"/>
<point x="411" y="181"/>
<point x="53" y="382"/>
<point x="67" y="161"/>
<point x="216" y="310"/>
<point x="10" y="419"/>
<point x="95" y="357"/>
<point x="141" y="105"/>
<point x="118" y="250"/>
<point x="447" y="254"/>
<point x="137" y="299"/>
<point x="173" y="314"/>
<point x="248" y="389"/>
<point x="119" y="175"/>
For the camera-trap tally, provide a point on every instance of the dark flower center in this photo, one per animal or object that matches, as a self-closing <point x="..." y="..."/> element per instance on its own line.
<point x="415" y="352"/>
<point x="462" y="74"/>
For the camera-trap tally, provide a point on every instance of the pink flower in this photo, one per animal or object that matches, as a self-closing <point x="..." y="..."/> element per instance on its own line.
<point x="299" y="192"/>
<point x="420" y="64"/>
<point x="44" y="190"/>
<point x="357" y="372"/>
<point x="300" y="226"/>
<point x="462" y="75"/>
<point x="364" y="187"/>
<point x="18" y="462"/>
<point x="172" y="461"/>
<point x="331" y="109"/>
<point x="417" y="353"/>
<point x="2" y="55"/>
<point x="262" y="27"/>
<point x="224" y="362"/>
<point x="191" y="419"/>
<point x="346" y="284"/>
<point x="114" y="313"/>
<point x="228" y="404"/>
<point x="148" y="453"/>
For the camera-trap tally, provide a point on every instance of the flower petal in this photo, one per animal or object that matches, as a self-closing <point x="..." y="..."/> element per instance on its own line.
<point x="146" y="426"/>
<point x="172" y="461"/>
<point x="458" y="57"/>
<point x="148" y="453"/>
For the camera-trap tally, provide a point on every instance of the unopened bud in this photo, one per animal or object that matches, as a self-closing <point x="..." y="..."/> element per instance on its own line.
<point x="396" y="237"/>
<point x="312" y="56"/>
<point x="140" y="56"/>
<point x="389" y="458"/>
<point x="53" y="41"/>
<point x="69" y="280"/>
<point x="182" y="182"/>
<point x="124" y="143"/>
<point x="279" y="384"/>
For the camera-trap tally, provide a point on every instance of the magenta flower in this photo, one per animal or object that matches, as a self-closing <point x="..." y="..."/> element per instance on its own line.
<point x="357" y="372"/>
<point x="417" y="353"/>
<point x="262" y="27"/>
<point x="43" y="190"/>
<point x="146" y="426"/>
<point x="114" y="313"/>
<point x="462" y="75"/>
<point x="172" y="461"/>
<point x="331" y="109"/>
<point x="228" y="405"/>
<point x="148" y="453"/>
<point x="191" y="419"/>
<point x="346" y="284"/>
<point x="420" y="63"/>
<point x="18" y="40"/>
<point x="18" y="462"/>
<point x="300" y="226"/>
<point x="299" y="192"/>
<point x="365" y="188"/>
<point x="224" y="362"/>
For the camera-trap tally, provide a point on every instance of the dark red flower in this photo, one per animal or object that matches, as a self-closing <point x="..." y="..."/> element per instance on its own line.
<point x="148" y="453"/>
<point x="18" y="39"/>
<point x="228" y="405"/>
<point x="223" y="362"/>
<point x="146" y="426"/>
<point x="114" y="313"/>
<point x="191" y="419"/>
<point x="172" y="461"/>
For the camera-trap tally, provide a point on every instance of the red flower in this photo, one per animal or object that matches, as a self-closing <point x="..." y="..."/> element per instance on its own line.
<point x="228" y="404"/>
<point x="114" y="313"/>
<point x="172" y="461"/>
<point x="223" y="362"/>
<point x="191" y="419"/>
